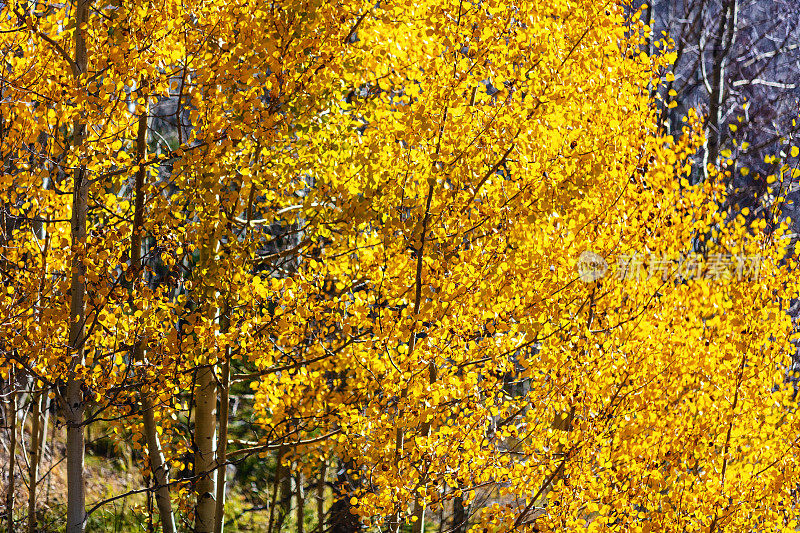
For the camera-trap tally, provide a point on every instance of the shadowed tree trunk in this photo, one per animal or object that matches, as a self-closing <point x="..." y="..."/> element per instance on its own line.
<point x="342" y="519"/>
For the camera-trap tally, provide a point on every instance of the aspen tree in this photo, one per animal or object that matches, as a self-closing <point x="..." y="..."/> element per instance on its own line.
<point x="73" y="403"/>
<point x="377" y="217"/>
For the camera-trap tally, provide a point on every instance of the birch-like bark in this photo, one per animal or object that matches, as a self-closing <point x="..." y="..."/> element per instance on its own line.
<point x="205" y="464"/>
<point x="76" y="497"/>
<point x="204" y="436"/>
<point x="158" y="467"/>
<point x="73" y="398"/>
<point x="38" y="444"/>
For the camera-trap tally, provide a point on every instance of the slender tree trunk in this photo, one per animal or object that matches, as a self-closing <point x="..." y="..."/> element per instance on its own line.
<point x="224" y="405"/>
<point x="222" y="438"/>
<point x="46" y="406"/>
<point x="726" y="35"/>
<point x="38" y="431"/>
<point x="321" y="497"/>
<point x="11" y="414"/>
<point x="33" y="464"/>
<point x="459" y="515"/>
<point x="42" y="448"/>
<point x="52" y="447"/>
<point x="76" y="497"/>
<point x="74" y="408"/>
<point x="276" y="486"/>
<point x="205" y="464"/>
<point x="419" y="507"/>
<point x="41" y="413"/>
<point x="158" y="466"/>
<point x="418" y="525"/>
<point x="301" y="504"/>
<point x="285" y="505"/>
<point x="204" y="436"/>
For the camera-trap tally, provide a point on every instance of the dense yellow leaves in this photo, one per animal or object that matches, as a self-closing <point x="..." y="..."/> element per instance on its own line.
<point x="386" y="205"/>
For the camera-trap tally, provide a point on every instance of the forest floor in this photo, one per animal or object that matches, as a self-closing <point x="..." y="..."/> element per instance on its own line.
<point x="110" y="475"/>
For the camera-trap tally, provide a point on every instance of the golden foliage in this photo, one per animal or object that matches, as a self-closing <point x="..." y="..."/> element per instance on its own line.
<point x="442" y="166"/>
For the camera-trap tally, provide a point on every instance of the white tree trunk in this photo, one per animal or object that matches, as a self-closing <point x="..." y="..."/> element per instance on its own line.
<point x="158" y="467"/>
<point x="204" y="436"/>
<point x="74" y="403"/>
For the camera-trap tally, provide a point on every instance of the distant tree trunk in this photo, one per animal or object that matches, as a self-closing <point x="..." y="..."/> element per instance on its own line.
<point x="726" y="34"/>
